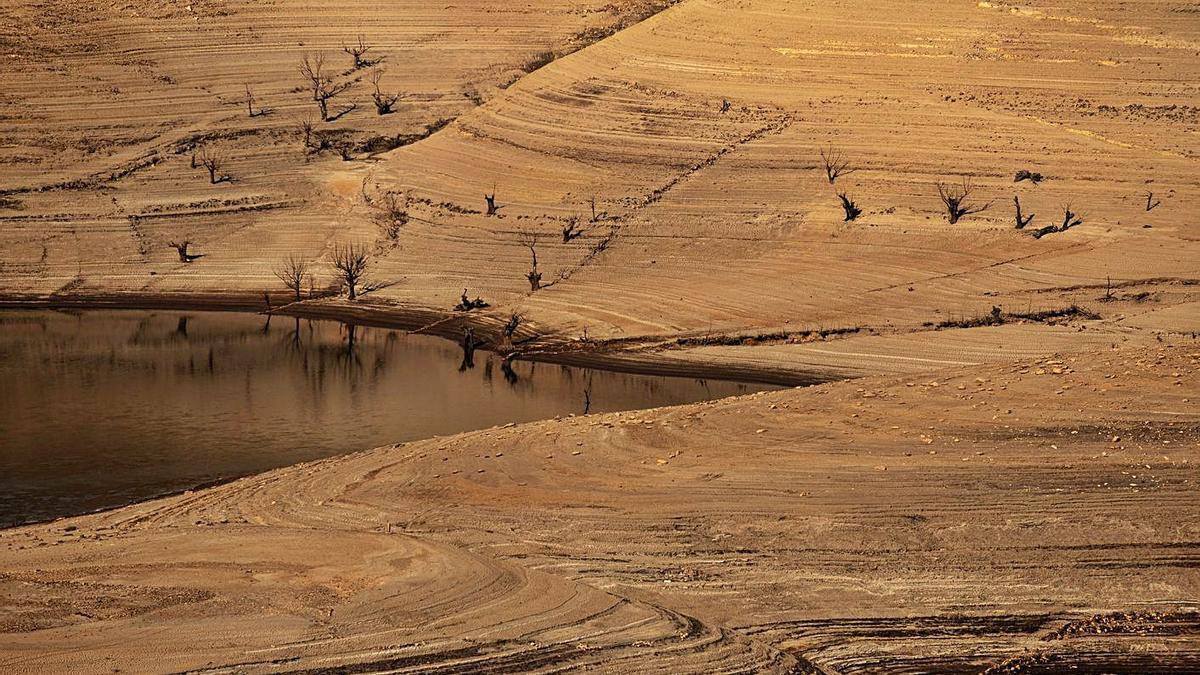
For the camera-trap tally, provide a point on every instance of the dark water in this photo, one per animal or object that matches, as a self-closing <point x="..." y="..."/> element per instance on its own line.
<point x="103" y="408"/>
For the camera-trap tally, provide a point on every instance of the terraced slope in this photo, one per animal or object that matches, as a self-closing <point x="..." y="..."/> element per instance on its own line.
<point x="726" y="220"/>
<point x="712" y="219"/>
<point x="1016" y="493"/>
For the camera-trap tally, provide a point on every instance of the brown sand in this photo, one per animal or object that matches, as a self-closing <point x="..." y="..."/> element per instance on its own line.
<point x="801" y="530"/>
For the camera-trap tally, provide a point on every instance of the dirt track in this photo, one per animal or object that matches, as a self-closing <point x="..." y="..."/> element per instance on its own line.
<point x="1018" y="496"/>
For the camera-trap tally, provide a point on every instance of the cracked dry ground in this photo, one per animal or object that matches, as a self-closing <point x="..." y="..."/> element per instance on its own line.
<point x="1022" y="517"/>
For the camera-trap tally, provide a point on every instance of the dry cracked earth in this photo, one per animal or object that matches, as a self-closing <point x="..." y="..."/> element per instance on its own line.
<point x="996" y="475"/>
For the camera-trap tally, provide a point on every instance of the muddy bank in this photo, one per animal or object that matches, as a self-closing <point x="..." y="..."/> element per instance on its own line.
<point x="617" y="355"/>
<point x="984" y="516"/>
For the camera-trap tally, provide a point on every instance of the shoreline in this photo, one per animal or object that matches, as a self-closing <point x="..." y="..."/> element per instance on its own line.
<point x="410" y="319"/>
<point x="607" y="356"/>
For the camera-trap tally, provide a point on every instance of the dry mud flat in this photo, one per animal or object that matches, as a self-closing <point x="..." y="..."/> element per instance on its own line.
<point x="1021" y="517"/>
<point x="710" y="223"/>
<point x="1018" y="496"/>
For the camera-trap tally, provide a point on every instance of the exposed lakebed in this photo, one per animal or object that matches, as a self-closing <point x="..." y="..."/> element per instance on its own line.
<point x="104" y="408"/>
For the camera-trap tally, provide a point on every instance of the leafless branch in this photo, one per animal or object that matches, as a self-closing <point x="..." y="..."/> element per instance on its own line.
<point x="836" y="165"/>
<point x="956" y="199"/>
<point x="292" y="272"/>
<point x="350" y="263"/>
<point x="320" y="83"/>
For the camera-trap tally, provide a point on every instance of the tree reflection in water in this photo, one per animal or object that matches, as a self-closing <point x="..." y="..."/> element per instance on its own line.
<point x="106" y="407"/>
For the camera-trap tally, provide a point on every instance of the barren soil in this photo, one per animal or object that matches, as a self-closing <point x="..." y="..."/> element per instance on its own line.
<point x="1007" y="483"/>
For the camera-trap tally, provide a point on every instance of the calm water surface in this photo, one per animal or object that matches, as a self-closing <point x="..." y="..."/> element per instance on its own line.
<point x="103" y="408"/>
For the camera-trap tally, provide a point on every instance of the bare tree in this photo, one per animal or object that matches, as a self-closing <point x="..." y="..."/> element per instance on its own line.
<point x="350" y="263"/>
<point x="358" y="52"/>
<point x="956" y="198"/>
<point x="466" y="304"/>
<point x="250" y="103"/>
<point x="592" y="203"/>
<point x="383" y="102"/>
<point x="320" y="83"/>
<point x="529" y="239"/>
<point x="1150" y="201"/>
<point x="571" y="230"/>
<point x="836" y="165"/>
<point x="1070" y="219"/>
<point x="848" y="205"/>
<point x="292" y="272"/>
<point x="510" y="328"/>
<point x="314" y="140"/>
<point x="395" y="214"/>
<point x="305" y="127"/>
<point x="182" y="250"/>
<point x="1022" y="220"/>
<point x="491" y="202"/>
<point x="212" y="160"/>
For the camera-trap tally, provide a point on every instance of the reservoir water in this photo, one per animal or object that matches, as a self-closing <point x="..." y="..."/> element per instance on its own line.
<point x="103" y="408"/>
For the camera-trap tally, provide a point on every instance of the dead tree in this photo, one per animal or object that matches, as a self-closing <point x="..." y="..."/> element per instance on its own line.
<point x="358" y="52"/>
<point x="292" y="272"/>
<point x="182" y="250"/>
<point x="592" y="203"/>
<point x="1022" y="220"/>
<point x="1031" y="176"/>
<point x="491" y="203"/>
<point x="466" y="304"/>
<point x="383" y="102"/>
<point x="1043" y="231"/>
<point x="571" y="230"/>
<point x="250" y="103"/>
<point x="305" y="127"/>
<point x="320" y="83"/>
<point x="1150" y="201"/>
<point x="510" y="328"/>
<point x="836" y="165"/>
<point x="395" y="214"/>
<point x="956" y="198"/>
<point x="314" y="141"/>
<point x="350" y="263"/>
<point x="848" y="205"/>
<point x="529" y="240"/>
<point x="212" y="161"/>
<point x="345" y="150"/>
<point x="1070" y="219"/>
